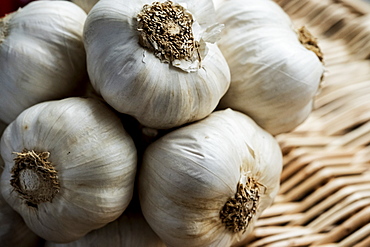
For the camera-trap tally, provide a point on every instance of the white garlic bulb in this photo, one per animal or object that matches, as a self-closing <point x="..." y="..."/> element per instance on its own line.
<point x="69" y="167"/>
<point x="85" y="4"/>
<point x="156" y="61"/>
<point x="42" y="56"/>
<point x="129" y="230"/>
<point x="205" y="184"/>
<point x="274" y="77"/>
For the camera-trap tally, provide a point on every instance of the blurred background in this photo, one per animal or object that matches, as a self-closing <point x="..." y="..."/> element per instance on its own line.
<point x="8" y="6"/>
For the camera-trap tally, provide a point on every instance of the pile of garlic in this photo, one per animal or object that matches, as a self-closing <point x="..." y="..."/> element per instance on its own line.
<point x="147" y="123"/>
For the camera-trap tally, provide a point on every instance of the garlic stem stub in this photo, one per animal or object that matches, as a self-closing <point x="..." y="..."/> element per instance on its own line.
<point x="34" y="177"/>
<point x="156" y="61"/>
<point x="167" y="30"/>
<point x="310" y="42"/>
<point x="238" y="211"/>
<point x="42" y="56"/>
<point x="276" y="69"/>
<point x="69" y="167"/>
<point x="206" y="184"/>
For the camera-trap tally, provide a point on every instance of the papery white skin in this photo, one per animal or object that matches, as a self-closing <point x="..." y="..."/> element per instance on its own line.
<point x="129" y="230"/>
<point x="96" y="162"/>
<point x="217" y="3"/>
<point x="13" y="230"/>
<point x="42" y="57"/>
<point x="189" y="174"/>
<point x="85" y="4"/>
<point x="274" y="78"/>
<point x="134" y="81"/>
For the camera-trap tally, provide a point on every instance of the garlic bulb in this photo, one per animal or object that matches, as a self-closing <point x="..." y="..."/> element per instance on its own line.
<point x="129" y="230"/>
<point x="42" y="56"/>
<point x="85" y="4"/>
<point x="156" y="61"/>
<point x="206" y="184"/>
<point x="275" y="70"/>
<point x="69" y="167"/>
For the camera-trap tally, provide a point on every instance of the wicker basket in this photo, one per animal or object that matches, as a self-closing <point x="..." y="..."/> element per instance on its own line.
<point x="324" y="198"/>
